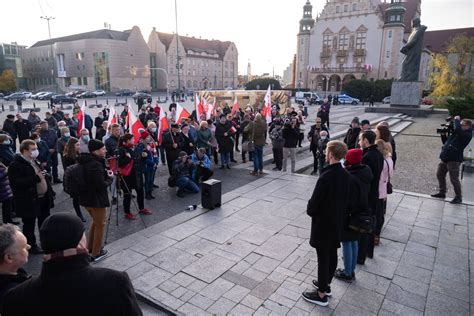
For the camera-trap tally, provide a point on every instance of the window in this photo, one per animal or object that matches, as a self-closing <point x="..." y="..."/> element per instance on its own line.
<point x="78" y="67"/>
<point x="346" y="7"/>
<point x="389" y="34"/>
<point x="302" y="40"/>
<point x="354" y="7"/>
<point x="343" y="41"/>
<point x="326" y="42"/>
<point x="84" y="81"/>
<point x="360" y="40"/>
<point x="79" y="81"/>
<point x="338" y="9"/>
<point x="388" y="54"/>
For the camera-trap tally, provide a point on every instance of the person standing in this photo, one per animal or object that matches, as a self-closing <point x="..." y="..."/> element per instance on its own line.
<point x="225" y="140"/>
<point x="290" y="135"/>
<point x="65" y="135"/>
<point x="31" y="191"/>
<point x="245" y="139"/>
<point x="9" y="127"/>
<point x="325" y="108"/>
<point x="383" y="132"/>
<point x="95" y="198"/>
<point x="276" y="135"/>
<point x="6" y="152"/>
<point x="173" y="144"/>
<point x="6" y="196"/>
<point x="374" y="160"/>
<point x="188" y="142"/>
<point x="352" y="136"/>
<point x="22" y="127"/>
<point x="326" y="208"/>
<point x="70" y="154"/>
<point x="84" y="139"/>
<point x="313" y="137"/>
<point x="50" y="137"/>
<point x="149" y="160"/>
<point x="258" y="131"/>
<point x="452" y="157"/>
<point x="204" y="137"/>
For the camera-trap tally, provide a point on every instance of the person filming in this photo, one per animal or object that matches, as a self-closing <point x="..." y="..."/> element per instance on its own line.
<point x="202" y="166"/>
<point x="452" y="157"/>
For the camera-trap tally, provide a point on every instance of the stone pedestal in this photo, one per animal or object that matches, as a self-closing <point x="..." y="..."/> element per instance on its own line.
<point x="406" y="94"/>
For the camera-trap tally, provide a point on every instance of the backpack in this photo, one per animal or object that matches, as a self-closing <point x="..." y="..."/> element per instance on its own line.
<point x="362" y="223"/>
<point x="74" y="181"/>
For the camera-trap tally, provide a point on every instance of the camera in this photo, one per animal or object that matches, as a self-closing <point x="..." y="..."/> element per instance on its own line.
<point x="287" y="122"/>
<point x="446" y="128"/>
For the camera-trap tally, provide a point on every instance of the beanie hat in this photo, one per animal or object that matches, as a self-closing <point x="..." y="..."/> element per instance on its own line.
<point x="355" y="120"/>
<point x="354" y="157"/>
<point x="144" y="134"/>
<point x="182" y="154"/>
<point x="364" y="122"/>
<point x="94" y="145"/>
<point x="61" y="231"/>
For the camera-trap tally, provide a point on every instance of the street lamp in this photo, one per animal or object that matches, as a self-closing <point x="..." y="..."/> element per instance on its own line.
<point x="177" y="43"/>
<point x="48" y="18"/>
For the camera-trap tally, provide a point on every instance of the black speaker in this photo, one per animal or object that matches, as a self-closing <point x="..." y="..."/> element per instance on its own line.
<point x="211" y="194"/>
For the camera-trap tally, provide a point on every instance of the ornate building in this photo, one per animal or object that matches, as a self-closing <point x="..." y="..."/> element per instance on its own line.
<point x="352" y="39"/>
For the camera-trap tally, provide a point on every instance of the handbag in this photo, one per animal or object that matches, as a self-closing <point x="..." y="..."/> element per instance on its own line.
<point x="389" y="184"/>
<point x="362" y="223"/>
<point x="248" y="146"/>
<point x="127" y="169"/>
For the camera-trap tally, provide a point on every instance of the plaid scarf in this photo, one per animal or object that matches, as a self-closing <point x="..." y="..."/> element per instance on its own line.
<point x="65" y="253"/>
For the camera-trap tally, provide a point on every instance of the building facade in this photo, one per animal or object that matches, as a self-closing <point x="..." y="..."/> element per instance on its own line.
<point x="352" y="39"/>
<point x="189" y="63"/>
<point x="103" y="59"/>
<point x="10" y="59"/>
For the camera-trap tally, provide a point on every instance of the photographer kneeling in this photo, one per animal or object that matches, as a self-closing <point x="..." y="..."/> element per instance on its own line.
<point x="203" y="167"/>
<point x="182" y="169"/>
<point x="452" y="157"/>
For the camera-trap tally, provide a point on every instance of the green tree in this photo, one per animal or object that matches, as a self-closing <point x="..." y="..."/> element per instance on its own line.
<point x="360" y="89"/>
<point x="262" y="84"/>
<point x="7" y="81"/>
<point x="452" y="77"/>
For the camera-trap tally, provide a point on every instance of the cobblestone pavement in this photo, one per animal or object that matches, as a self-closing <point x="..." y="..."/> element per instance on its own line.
<point x="252" y="256"/>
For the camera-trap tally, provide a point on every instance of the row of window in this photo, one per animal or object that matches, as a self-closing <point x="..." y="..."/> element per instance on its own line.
<point x="82" y="81"/>
<point x="345" y="41"/>
<point x="346" y="8"/>
<point x="201" y="84"/>
<point x="11" y="49"/>
<point x="40" y="81"/>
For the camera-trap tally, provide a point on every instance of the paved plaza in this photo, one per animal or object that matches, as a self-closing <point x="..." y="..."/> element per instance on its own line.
<point x="252" y="256"/>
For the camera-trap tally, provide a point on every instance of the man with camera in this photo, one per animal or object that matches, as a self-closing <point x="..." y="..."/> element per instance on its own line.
<point x="452" y="157"/>
<point x="202" y="166"/>
<point x="182" y="169"/>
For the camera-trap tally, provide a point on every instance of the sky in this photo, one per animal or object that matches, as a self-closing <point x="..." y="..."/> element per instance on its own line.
<point x="263" y="30"/>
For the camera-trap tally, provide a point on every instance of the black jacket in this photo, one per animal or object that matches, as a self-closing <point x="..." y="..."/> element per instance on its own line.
<point x="111" y="145"/>
<point x="226" y="143"/>
<point x="361" y="176"/>
<point x="23" y="129"/>
<point x="182" y="169"/>
<point x="453" y="148"/>
<point x="291" y="137"/>
<point x="135" y="179"/>
<point x="186" y="141"/>
<point x="97" y="181"/>
<point x="327" y="206"/>
<point x="9" y="127"/>
<point x="313" y="136"/>
<point x="6" y="154"/>
<point x="9" y="281"/>
<point x="23" y="180"/>
<point x="70" y="286"/>
<point x="352" y="138"/>
<point x="374" y="160"/>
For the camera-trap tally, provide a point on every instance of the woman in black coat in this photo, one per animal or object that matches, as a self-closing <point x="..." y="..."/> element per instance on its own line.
<point x="224" y="139"/>
<point x="70" y="154"/>
<point x="133" y="181"/>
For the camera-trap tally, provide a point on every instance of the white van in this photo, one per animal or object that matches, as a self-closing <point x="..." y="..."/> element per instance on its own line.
<point x="301" y="96"/>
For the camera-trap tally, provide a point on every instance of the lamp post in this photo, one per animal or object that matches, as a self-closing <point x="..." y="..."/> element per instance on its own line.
<point x="177" y="44"/>
<point x="48" y="18"/>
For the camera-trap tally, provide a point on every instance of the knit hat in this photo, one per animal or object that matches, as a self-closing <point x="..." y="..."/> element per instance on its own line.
<point x="94" y="145"/>
<point x="364" y="122"/>
<point x="355" y="120"/>
<point x="174" y="125"/>
<point x="61" y="231"/>
<point x="354" y="157"/>
<point x="182" y="154"/>
<point x="144" y="134"/>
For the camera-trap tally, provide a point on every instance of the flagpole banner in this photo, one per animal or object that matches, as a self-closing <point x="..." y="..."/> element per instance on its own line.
<point x="163" y="125"/>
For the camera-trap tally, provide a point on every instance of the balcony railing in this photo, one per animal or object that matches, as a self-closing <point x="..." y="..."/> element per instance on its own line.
<point x="342" y="53"/>
<point x="360" y="52"/>
<point x="339" y="70"/>
<point x="325" y="54"/>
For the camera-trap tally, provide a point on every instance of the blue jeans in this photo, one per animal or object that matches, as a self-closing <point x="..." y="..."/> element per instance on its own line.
<point x="149" y="177"/>
<point x="258" y="158"/>
<point x="185" y="183"/>
<point x="225" y="159"/>
<point x="349" y="252"/>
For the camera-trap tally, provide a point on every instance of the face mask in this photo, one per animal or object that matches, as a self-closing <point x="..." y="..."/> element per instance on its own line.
<point x="153" y="130"/>
<point x="85" y="138"/>
<point x="38" y="140"/>
<point x="7" y="142"/>
<point x="323" y="137"/>
<point x="35" y="153"/>
<point x="67" y="135"/>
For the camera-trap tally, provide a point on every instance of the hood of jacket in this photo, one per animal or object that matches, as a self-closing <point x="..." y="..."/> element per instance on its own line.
<point x="361" y="172"/>
<point x="86" y="158"/>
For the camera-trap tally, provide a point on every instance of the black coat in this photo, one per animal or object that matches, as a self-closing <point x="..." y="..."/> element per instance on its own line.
<point x="313" y="136"/>
<point x="394" y="150"/>
<point x="111" y="145"/>
<point x="361" y="176"/>
<point x="97" y="181"/>
<point x="453" y="148"/>
<point x="71" y="286"/>
<point x="291" y="137"/>
<point x="9" y="281"/>
<point x="6" y="154"/>
<point x="170" y="138"/>
<point x="135" y="179"/>
<point x="352" y="138"/>
<point x="23" y="180"/>
<point x="226" y="143"/>
<point x="328" y="204"/>
<point x="23" y="129"/>
<point x="186" y="141"/>
<point x="374" y="160"/>
<point x="9" y="127"/>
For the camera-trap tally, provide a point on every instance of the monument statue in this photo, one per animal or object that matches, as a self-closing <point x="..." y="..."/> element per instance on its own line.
<point x="412" y="50"/>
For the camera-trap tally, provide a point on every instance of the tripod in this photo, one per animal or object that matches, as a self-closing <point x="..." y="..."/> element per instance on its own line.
<point x="117" y="188"/>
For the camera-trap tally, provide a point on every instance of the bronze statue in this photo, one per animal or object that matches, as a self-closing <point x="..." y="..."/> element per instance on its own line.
<point x="412" y="50"/>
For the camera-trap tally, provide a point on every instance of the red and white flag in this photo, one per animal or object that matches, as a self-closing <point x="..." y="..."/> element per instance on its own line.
<point x="135" y="125"/>
<point x="81" y="117"/>
<point x="267" y="106"/>
<point x="163" y="125"/>
<point x="211" y="110"/>
<point x="181" y="113"/>
<point x="112" y="116"/>
<point x="199" y="108"/>
<point x="235" y="108"/>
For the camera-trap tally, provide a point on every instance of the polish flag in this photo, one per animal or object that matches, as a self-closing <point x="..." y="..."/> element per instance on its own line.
<point x="181" y="113"/>
<point x="211" y="110"/>
<point x="162" y="125"/>
<point x="135" y="125"/>
<point x="267" y="106"/>
<point x="112" y="116"/>
<point x="199" y="108"/>
<point x="81" y="118"/>
<point x="235" y="108"/>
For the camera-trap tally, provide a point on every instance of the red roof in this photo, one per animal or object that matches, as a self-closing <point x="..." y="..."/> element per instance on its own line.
<point x="196" y="44"/>
<point x="437" y="41"/>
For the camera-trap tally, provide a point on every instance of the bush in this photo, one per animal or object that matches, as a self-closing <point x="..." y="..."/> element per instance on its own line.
<point x="263" y="84"/>
<point x="363" y="89"/>
<point x="464" y="107"/>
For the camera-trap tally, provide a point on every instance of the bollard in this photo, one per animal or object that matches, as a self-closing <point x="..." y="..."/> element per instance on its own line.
<point x="107" y="101"/>
<point x="126" y="101"/>
<point x="62" y="107"/>
<point x="85" y="102"/>
<point x="95" y="101"/>
<point x="3" y="108"/>
<point x="34" y="105"/>
<point x="116" y="101"/>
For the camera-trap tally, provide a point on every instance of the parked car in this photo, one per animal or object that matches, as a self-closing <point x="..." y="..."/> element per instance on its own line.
<point x="27" y="94"/>
<point x="124" y="93"/>
<point x="15" y="96"/>
<point x="142" y="95"/>
<point x="99" y="92"/>
<point x="38" y="94"/>
<point x="1" y="95"/>
<point x="87" y="94"/>
<point x="61" y="98"/>
<point x="345" y="99"/>
<point x="74" y="93"/>
<point x="314" y="98"/>
<point x="386" y="100"/>
<point x="46" y="96"/>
